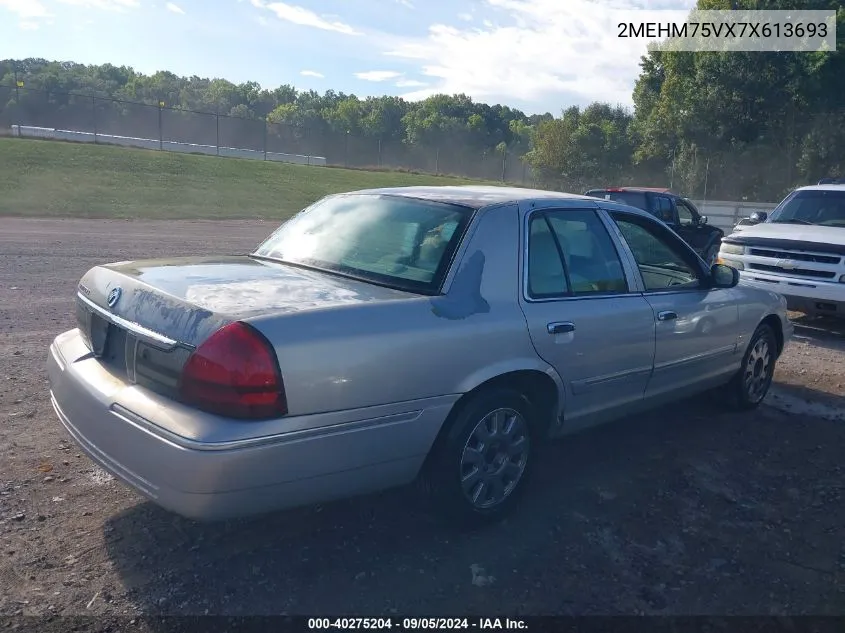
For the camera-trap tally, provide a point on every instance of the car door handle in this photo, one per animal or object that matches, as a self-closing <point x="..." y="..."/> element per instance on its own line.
<point x="560" y="327"/>
<point x="667" y="315"/>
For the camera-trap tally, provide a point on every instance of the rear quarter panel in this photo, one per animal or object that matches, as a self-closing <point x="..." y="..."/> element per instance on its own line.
<point x="365" y="355"/>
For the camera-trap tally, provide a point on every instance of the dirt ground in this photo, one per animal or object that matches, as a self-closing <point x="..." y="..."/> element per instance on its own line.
<point x="687" y="510"/>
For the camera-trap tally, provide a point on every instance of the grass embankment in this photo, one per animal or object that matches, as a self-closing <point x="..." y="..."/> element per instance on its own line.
<point x="58" y="179"/>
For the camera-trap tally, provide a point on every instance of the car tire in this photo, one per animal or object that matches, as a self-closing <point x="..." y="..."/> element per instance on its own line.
<point x="751" y="383"/>
<point x="479" y="468"/>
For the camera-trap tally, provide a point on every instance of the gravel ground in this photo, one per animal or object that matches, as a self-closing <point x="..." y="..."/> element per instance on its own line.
<point x="687" y="510"/>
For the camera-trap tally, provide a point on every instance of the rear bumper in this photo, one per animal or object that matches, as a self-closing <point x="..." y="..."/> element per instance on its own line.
<point x="375" y="448"/>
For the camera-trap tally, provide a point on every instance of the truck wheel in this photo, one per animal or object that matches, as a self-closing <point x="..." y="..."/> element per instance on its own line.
<point x="752" y="381"/>
<point x="480" y="467"/>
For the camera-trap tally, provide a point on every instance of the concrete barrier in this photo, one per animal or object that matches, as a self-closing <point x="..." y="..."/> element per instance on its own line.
<point x="725" y="214"/>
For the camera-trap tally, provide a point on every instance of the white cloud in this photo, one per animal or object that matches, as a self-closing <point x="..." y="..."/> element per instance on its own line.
<point x="175" y="8"/>
<point x="378" y="75"/>
<point x="466" y="17"/>
<point x="311" y="73"/>
<point x="107" y="5"/>
<point x="410" y="83"/>
<point x="304" y="17"/>
<point x="25" y="9"/>
<point x="532" y="50"/>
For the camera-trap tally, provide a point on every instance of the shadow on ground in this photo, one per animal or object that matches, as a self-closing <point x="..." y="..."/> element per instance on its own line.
<point x="687" y="510"/>
<point x="825" y="332"/>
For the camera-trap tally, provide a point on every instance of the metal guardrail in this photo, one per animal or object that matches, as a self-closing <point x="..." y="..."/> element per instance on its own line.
<point x="725" y="214"/>
<point x="167" y="146"/>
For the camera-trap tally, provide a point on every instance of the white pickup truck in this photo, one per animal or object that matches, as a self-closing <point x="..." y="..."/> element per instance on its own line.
<point x="798" y="250"/>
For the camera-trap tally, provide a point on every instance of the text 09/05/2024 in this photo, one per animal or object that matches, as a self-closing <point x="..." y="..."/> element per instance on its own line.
<point x="416" y="623"/>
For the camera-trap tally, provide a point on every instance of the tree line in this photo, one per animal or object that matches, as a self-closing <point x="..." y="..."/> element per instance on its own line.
<point x="724" y="125"/>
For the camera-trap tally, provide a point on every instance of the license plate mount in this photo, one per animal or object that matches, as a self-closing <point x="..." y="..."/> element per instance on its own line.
<point x="98" y="334"/>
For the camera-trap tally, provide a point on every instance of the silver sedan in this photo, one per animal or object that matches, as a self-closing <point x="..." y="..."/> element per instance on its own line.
<point x="382" y="337"/>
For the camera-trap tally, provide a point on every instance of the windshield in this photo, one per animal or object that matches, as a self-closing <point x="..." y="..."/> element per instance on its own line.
<point x="391" y="240"/>
<point x="825" y="208"/>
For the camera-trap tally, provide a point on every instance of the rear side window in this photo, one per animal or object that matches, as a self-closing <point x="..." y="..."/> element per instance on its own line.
<point x="631" y="198"/>
<point x="571" y="253"/>
<point x="663" y="208"/>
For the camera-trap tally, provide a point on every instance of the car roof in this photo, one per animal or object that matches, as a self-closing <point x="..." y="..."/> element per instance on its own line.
<point x="830" y="187"/>
<point x="475" y="196"/>
<point x="636" y="189"/>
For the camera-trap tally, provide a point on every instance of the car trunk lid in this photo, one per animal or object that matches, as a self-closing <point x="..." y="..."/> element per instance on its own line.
<point x="144" y="318"/>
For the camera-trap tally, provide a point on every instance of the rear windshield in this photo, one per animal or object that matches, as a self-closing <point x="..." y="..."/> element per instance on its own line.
<point x="825" y="208"/>
<point x="390" y="240"/>
<point x="631" y="198"/>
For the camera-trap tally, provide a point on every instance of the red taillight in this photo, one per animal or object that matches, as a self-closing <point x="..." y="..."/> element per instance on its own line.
<point x="234" y="373"/>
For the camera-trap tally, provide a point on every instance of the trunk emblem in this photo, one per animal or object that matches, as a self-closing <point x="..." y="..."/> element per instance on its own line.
<point x="114" y="297"/>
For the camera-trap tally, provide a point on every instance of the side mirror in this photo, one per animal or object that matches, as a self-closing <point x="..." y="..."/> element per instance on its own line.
<point x="724" y="276"/>
<point x="758" y="216"/>
<point x="702" y="220"/>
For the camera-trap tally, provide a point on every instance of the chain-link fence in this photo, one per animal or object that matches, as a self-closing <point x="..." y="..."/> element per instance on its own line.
<point x="809" y="148"/>
<point x="87" y="118"/>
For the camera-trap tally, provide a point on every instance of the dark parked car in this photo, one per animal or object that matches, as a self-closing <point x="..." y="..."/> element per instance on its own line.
<point x="678" y="212"/>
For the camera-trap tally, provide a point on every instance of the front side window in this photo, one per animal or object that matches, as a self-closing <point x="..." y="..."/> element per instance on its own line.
<point x="825" y="208"/>
<point x="662" y="261"/>
<point x="391" y="240"/>
<point x="571" y="253"/>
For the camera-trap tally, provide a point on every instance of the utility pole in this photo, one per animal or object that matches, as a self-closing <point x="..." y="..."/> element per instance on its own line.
<point x="160" y="132"/>
<point x="18" y="85"/>
<point x="346" y="151"/>
<point x="672" y="172"/>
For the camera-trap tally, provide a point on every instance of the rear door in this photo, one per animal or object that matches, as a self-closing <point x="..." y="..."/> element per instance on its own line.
<point x="583" y="313"/>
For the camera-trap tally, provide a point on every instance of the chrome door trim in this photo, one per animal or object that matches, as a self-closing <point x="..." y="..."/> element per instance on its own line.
<point x="720" y="351"/>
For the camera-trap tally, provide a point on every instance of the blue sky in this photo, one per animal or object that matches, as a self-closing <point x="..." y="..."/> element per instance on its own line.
<point x="537" y="55"/>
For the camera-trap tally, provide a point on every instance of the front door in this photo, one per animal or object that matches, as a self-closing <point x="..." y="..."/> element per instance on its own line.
<point x="582" y="318"/>
<point x="696" y="326"/>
